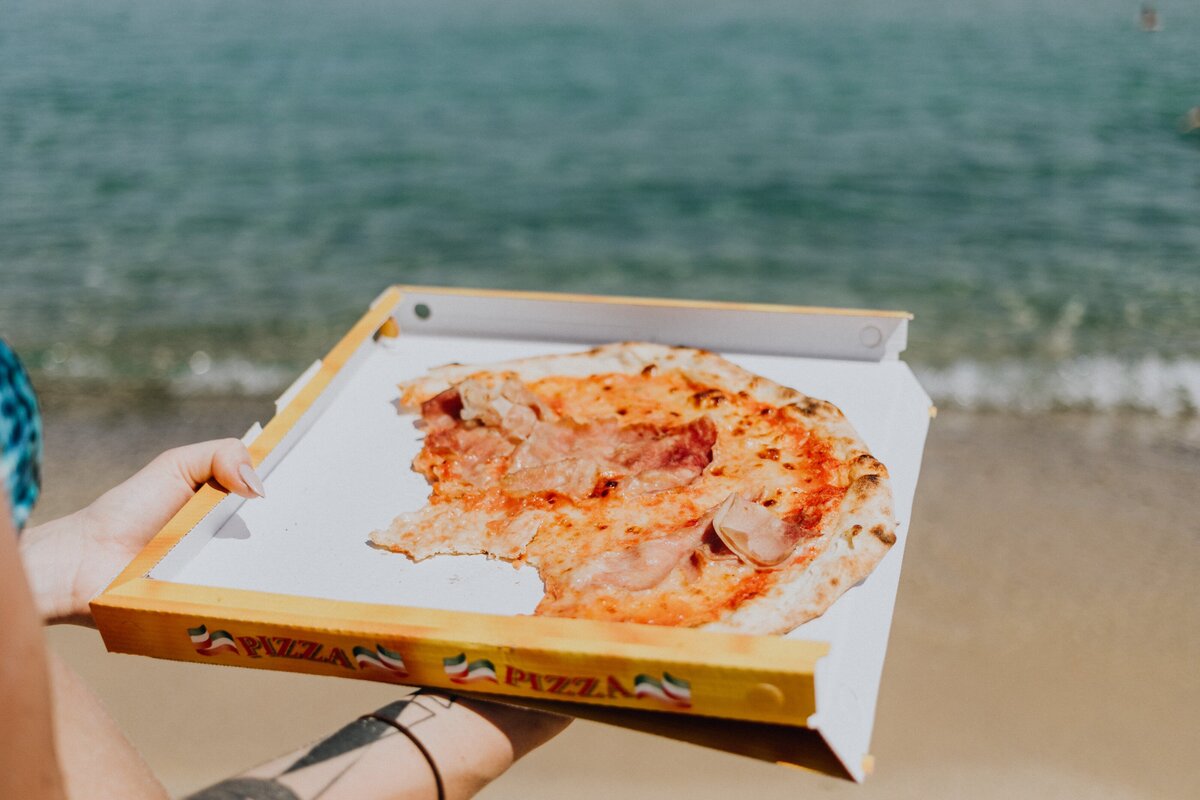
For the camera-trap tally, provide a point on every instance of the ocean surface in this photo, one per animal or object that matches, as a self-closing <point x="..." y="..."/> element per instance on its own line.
<point x="201" y="196"/>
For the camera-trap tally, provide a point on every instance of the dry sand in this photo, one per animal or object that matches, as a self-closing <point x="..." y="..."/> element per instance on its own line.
<point x="1046" y="641"/>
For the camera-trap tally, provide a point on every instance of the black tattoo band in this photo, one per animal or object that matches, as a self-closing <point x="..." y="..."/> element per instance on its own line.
<point x="437" y="776"/>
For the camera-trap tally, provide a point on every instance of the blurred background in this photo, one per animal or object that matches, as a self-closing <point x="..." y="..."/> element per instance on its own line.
<point x="200" y="196"/>
<point x="197" y="199"/>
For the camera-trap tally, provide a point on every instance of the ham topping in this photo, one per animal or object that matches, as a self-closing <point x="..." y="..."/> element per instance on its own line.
<point x="574" y="477"/>
<point x="442" y="410"/>
<point x="481" y="421"/>
<point x="640" y="566"/>
<point x="654" y="458"/>
<point x="555" y="441"/>
<point x="508" y="406"/>
<point x="754" y="533"/>
<point x="648" y="447"/>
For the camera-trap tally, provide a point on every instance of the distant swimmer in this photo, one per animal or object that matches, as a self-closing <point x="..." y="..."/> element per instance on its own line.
<point x="1149" y="19"/>
<point x="1190" y="121"/>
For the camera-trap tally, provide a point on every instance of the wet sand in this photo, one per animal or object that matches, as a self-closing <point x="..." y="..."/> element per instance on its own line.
<point x="1046" y="642"/>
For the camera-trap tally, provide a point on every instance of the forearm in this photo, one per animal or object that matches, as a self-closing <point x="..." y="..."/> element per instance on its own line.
<point x="96" y="760"/>
<point x="468" y="744"/>
<point x="51" y="555"/>
<point x="28" y="760"/>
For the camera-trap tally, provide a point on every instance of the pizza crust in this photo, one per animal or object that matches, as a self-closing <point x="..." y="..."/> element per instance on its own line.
<point x="856" y="541"/>
<point x="852" y="540"/>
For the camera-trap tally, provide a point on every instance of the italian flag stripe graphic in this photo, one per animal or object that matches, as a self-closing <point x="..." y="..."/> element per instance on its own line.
<point x="670" y="689"/>
<point x="391" y="659"/>
<point x="460" y="671"/>
<point x="677" y="689"/>
<point x="207" y="644"/>
<point x="380" y="658"/>
<point x="366" y="657"/>
<point x="455" y="667"/>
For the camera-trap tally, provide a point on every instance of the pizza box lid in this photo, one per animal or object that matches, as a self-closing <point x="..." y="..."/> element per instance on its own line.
<point x="290" y="582"/>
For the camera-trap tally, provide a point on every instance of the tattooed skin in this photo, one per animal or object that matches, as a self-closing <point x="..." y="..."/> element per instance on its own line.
<point x="246" y="789"/>
<point x="353" y="740"/>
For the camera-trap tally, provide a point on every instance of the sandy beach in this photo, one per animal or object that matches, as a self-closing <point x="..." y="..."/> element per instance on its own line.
<point x="1045" y="644"/>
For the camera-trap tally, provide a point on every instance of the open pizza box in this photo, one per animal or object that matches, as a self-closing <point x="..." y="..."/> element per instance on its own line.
<point x="290" y="583"/>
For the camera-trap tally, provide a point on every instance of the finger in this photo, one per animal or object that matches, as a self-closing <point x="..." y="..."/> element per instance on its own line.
<point x="224" y="460"/>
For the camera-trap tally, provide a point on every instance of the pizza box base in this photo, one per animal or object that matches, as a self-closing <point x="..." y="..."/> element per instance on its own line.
<point x="289" y="582"/>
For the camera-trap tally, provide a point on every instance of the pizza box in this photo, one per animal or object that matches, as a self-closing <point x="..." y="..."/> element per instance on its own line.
<point x="290" y="583"/>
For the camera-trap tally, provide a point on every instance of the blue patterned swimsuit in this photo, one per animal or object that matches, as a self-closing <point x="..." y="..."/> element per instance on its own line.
<point x="20" y="436"/>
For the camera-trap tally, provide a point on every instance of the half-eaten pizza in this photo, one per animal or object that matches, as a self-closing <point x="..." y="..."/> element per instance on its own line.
<point x="651" y="484"/>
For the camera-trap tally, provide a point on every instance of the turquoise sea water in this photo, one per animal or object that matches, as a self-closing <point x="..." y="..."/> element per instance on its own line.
<point x="204" y="195"/>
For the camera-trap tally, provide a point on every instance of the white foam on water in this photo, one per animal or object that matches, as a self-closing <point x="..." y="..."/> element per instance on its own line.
<point x="235" y="376"/>
<point x="1155" y="385"/>
<point x="1168" y="388"/>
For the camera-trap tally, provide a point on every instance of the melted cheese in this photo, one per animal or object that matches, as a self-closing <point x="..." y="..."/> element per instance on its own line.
<point x="610" y="490"/>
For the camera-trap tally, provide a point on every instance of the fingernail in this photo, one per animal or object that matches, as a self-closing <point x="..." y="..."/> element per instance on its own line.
<point x="251" y="479"/>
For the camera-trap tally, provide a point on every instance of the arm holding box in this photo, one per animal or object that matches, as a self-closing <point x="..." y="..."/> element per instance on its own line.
<point x="429" y="744"/>
<point x="61" y="743"/>
<point x="71" y="559"/>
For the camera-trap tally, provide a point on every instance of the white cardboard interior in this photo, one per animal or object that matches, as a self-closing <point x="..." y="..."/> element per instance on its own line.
<point x="344" y="471"/>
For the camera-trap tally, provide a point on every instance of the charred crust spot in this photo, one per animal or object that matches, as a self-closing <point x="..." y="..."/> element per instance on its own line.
<point x="718" y="471"/>
<point x="872" y="480"/>
<point x="649" y="370"/>
<point x="770" y="453"/>
<point x="868" y="463"/>
<point x="606" y="388"/>
<point x="810" y="406"/>
<point x="634" y="529"/>
<point x="601" y="527"/>
<point x="834" y="581"/>
<point x="604" y="487"/>
<point x="788" y="466"/>
<point x="676" y="414"/>
<point x="622" y="411"/>
<point x="769" y="502"/>
<point x="883" y="534"/>
<point x="739" y="431"/>
<point x="707" y="398"/>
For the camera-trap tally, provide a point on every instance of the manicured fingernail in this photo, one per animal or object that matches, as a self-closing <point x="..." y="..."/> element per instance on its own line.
<point x="251" y="479"/>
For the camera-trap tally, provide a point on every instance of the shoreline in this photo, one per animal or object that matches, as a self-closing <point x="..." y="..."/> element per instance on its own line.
<point x="1043" y="644"/>
<point x="1149" y="385"/>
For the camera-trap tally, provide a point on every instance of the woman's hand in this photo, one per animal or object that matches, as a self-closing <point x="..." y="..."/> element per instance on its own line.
<point x="70" y="560"/>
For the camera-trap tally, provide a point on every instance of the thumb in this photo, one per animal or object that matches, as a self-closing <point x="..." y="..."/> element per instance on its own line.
<point x="224" y="460"/>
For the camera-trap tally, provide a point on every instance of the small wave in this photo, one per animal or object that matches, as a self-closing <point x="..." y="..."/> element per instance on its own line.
<point x="1168" y="388"/>
<point x="234" y="376"/>
<point x="1160" y="386"/>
